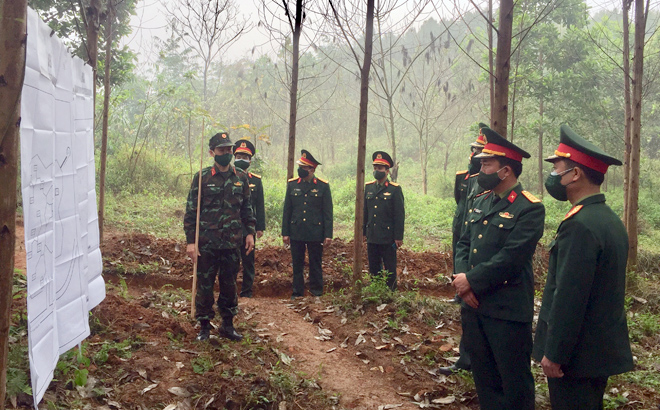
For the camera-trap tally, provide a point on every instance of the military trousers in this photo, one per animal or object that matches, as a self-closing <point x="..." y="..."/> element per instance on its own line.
<point x="315" y="253"/>
<point x="247" y="261"/>
<point x="500" y="351"/>
<point x="577" y="393"/>
<point x="224" y="264"/>
<point x="380" y="255"/>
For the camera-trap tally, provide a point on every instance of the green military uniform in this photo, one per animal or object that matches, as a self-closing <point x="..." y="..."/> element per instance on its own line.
<point x="582" y="323"/>
<point x="495" y="252"/>
<point x="307" y="220"/>
<point x="383" y="222"/>
<point x="224" y="217"/>
<point x="257" y="201"/>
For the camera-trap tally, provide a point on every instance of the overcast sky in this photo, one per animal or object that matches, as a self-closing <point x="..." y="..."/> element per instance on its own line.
<point x="151" y="21"/>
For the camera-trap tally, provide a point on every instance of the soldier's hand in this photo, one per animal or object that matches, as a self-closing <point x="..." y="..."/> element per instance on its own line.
<point x="286" y="240"/>
<point x="249" y="244"/>
<point x="398" y="243"/>
<point x="190" y="251"/>
<point x="260" y="234"/>
<point x="327" y="241"/>
<point x="550" y="368"/>
<point x="471" y="299"/>
<point x="461" y="284"/>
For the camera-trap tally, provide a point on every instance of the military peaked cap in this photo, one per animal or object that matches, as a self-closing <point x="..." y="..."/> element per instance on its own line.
<point x="220" y="139"/>
<point x="382" y="158"/>
<point x="578" y="149"/>
<point x="498" y="146"/>
<point x="479" y="143"/>
<point x="306" y="159"/>
<point x="244" y="146"/>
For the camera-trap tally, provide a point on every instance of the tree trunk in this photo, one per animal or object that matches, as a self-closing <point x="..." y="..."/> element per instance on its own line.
<point x="13" y="34"/>
<point x="394" y="172"/>
<point x="293" y="95"/>
<point x="540" y="190"/>
<point x="491" y="74"/>
<point x="92" y="26"/>
<point x="362" y="149"/>
<point x="499" y="111"/>
<point x="635" y="131"/>
<point x="627" y="106"/>
<point x="106" y="112"/>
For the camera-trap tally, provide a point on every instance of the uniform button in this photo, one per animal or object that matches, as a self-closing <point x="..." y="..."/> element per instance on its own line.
<point x="388" y="227"/>
<point x="474" y="250"/>
<point x="480" y="236"/>
<point x="305" y="194"/>
<point x="485" y="222"/>
<point x="471" y="266"/>
<point x="465" y="222"/>
<point x="506" y="282"/>
<point x="304" y="212"/>
<point x="470" y="211"/>
<point x="304" y="203"/>
<point x="375" y="206"/>
<point x="304" y="219"/>
<point x="374" y="215"/>
<point x="501" y="225"/>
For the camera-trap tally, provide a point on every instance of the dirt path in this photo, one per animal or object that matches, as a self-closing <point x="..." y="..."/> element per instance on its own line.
<point x="339" y="371"/>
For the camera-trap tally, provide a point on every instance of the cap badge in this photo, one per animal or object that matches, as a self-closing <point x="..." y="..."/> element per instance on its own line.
<point x="379" y="156"/>
<point x="224" y="135"/>
<point x="304" y="155"/>
<point x="485" y="140"/>
<point x="243" y="145"/>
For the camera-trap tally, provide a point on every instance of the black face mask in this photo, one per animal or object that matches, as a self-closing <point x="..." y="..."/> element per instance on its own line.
<point x="223" y="160"/>
<point x="242" y="163"/>
<point x="475" y="165"/>
<point x="303" y="173"/>
<point x="379" y="175"/>
<point x="489" y="181"/>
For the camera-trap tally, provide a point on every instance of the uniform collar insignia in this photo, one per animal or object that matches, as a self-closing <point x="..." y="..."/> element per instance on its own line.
<point x="506" y="215"/>
<point x="512" y="196"/>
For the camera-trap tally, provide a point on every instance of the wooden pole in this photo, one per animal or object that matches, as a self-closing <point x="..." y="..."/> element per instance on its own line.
<point x="193" y="310"/>
<point x="13" y="32"/>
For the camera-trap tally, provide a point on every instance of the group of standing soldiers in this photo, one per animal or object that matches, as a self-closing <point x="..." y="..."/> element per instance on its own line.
<point x="581" y="335"/>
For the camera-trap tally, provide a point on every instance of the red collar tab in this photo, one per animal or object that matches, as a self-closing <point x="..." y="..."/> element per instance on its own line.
<point x="213" y="171"/>
<point x="387" y="183"/>
<point x="580" y="157"/>
<point x="299" y="180"/>
<point x="315" y="180"/>
<point x="512" y="196"/>
<point x="501" y="151"/>
<point x="250" y="174"/>
<point x="467" y="175"/>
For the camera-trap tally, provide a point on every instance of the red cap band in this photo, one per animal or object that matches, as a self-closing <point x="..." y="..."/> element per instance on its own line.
<point x="307" y="162"/>
<point x="580" y="157"/>
<point x="243" y="150"/>
<point x="381" y="161"/>
<point x="501" y="151"/>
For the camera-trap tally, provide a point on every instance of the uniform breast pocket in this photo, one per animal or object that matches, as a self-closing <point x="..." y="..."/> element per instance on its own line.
<point x="211" y="194"/>
<point x="502" y="228"/>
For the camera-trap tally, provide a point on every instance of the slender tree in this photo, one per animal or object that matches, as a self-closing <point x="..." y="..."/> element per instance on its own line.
<point x="13" y="37"/>
<point x="106" y="112"/>
<point x="500" y="109"/>
<point x="296" y="28"/>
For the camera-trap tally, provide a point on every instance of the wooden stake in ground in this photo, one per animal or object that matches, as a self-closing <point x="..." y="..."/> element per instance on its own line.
<point x="193" y="310"/>
<point x="13" y="35"/>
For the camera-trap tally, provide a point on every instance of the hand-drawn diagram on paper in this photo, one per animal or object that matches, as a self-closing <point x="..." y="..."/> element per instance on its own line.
<point x="59" y="201"/>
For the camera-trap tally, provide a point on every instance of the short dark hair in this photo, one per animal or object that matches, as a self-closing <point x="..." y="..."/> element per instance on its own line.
<point x="592" y="175"/>
<point x="516" y="166"/>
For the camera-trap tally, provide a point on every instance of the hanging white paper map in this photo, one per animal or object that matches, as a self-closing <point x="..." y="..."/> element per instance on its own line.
<point x="59" y="201"/>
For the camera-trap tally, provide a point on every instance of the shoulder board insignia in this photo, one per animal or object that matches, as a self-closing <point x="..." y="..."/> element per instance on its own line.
<point x="292" y="179"/>
<point x="530" y="197"/>
<point x="483" y="193"/>
<point x="572" y="212"/>
<point x="474" y="175"/>
<point x="255" y="175"/>
<point x="322" y="180"/>
<point x="462" y="172"/>
<point x="393" y="183"/>
<point x="371" y="182"/>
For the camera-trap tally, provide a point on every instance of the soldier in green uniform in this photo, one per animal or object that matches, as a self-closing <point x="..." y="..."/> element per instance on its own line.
<point x="384" y="217"/>
<point x="307" y="224"/>
<point x="243" y="152"/>
<point x="582" y="334"/>
<point x="225" y="215"/>
<point x="496" y="281"/>
<point x="465" y="190"/>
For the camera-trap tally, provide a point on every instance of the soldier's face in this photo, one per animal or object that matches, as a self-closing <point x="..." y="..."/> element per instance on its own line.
<point x="242" y="156"/>
<point x="220" y="151"/>
<point x="381" y="168"/>
<point x="491" y="165"/>
<point x="308" y="169"/>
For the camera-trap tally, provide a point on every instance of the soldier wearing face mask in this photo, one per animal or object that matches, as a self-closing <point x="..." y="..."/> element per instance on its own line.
<point x="384" y="217"/>
<point x="226" y="224"/>
<point x="243" y="152"/>
<point x="307" y="224"/>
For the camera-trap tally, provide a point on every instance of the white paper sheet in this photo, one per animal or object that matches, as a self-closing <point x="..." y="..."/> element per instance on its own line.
<point x="64" y="263"/>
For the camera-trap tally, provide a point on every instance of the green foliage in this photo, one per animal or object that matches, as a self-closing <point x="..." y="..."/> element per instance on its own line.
<point x="122" y="349"/>
<point x="18" y="370"/>
<point x="201" y="364"/>
<point x="643" y="325"/>
<point x="377" y="292"/>
<point x="73" y="365"/>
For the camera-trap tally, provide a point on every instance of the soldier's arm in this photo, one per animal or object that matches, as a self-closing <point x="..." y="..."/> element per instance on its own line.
<point x="327" y="213"/>
<point x="364" y="212"/>
<point x="260" y="205"/>
<point x="286" y="213"/>
<point x="399" y="214"/>
<point x="247" y="214"/>
<point x="577" y="260"/>
<point x="462" y="251"/>
<point x="518" y="248"/>
<point x="190" y="217"/>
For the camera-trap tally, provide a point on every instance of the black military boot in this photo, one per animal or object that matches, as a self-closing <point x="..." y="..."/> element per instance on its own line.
<point x="227" y="331"/>
<point x="204" y="331"/>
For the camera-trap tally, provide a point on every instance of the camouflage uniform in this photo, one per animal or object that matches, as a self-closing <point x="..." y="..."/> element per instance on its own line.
<point x="226" y="210"/>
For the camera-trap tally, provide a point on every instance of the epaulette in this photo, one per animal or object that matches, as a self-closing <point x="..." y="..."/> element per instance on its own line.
<point x="292" y="179"/>
<point x="462" y="172"/>
<point x="572" y="212"/>
<point x="474" y="175"/>
<point x="322" y="180"/>
<point x="393" y="183"/>
<point x="371" y="182"/>
<point x="255" y="175"/>
<point x="483" y="193"/>
<point x="530" y="197"/>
